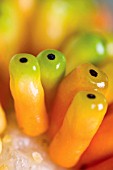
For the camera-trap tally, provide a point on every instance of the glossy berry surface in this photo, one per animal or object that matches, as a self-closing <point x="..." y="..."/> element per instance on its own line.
<point x="28" y="94"/>
<point x="81" y="122"/>
<point x="52" y="66"/>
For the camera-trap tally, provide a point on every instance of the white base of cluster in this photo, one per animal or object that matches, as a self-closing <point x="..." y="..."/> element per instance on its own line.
<point x="20" y="152"/>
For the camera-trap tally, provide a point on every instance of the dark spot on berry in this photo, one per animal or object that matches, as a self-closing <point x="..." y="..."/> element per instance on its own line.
<point x="91" y="96"/>
<point x="51" y="56"/>
<point x="93" y="73"/>
<point x="23" y="60"/>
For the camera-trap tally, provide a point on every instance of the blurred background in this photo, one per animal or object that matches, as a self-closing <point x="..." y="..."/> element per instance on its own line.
<point x="81" y="29"/>
<point x="108" y="2"/>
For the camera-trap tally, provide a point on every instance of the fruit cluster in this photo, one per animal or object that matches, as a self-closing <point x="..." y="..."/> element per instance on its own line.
<point x="66" y="90"/>
<point x="70" y="109"/>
